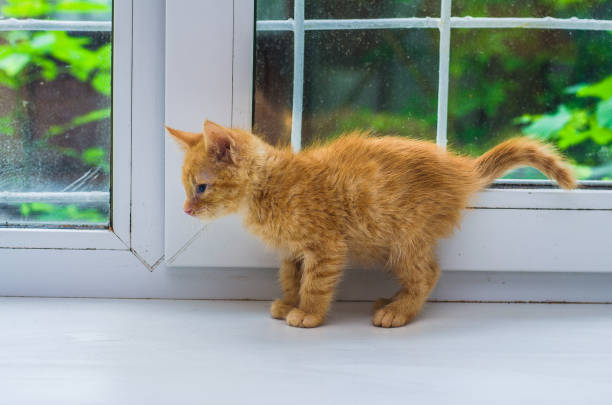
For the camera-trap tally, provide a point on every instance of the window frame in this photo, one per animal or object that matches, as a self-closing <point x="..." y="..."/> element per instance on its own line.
<point x="137" y="149"/>
<point x="189" y="243"/>
<point x="117" y="235"/>
<point x="142" y="271"/>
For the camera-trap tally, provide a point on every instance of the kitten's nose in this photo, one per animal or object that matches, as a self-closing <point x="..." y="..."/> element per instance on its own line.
<point x="188" y="208"/>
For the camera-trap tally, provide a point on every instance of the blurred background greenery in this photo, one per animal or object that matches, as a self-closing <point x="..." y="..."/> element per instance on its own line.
<point x="555" y="85"/>
<point x="55" y="108"/>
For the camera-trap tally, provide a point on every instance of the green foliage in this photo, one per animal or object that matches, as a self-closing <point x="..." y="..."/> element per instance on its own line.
<point x="543" y="126"/>
<point x="589" y="121"/>
<point x="381" y="123"/>
<point x="92" y="116"/>
<point x="13" y="62"/>
<point x="26" y="8"/>
<point x="28" y="57"/>
<point x="602" y="90"/>
<point x="6" y="125"/>
<point x="31" y="56"/>
<point x="604" y="113"/>
<point x="96" y="157"/>
<point x="42" y="8"/>
<point x="44" y="212"/>
<point x="102" y="83"/>
<point x="81" y="6"/>
<point x="558" y="82"/>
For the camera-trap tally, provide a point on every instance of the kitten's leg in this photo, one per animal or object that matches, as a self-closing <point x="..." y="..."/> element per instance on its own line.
<point x="319" y="279"/>
<point x="379" y="303"/>
<point x="289" y="276"/>
<point x="418" y="278"/>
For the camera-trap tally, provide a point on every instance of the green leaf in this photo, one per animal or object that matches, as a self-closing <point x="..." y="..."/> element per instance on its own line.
<point x="13" y="64"/>
<point x="38" y="207"/>
<point x="69" y="49"/>
<point x="102" y="83"/>
<point x="604" y="113"/>
<point x="74" y="6"/>
<point x="571" y="138"/>
<point x="96" y="157"/>
<point x="601" y="136"/>
<point x="575" y="88"/>
<point x="104" y="55"/>
<point x="602" y="89"/>
<point x="25" y="210"/>
<point x="524" y="119"/>
<point x="546" y="125"/>
<point x="575" y="131"/>
<point x="43" y="41"/>
<point x="95" y="115"/>
<point x="49" y="69"/>
<point x="59" y="213"/>
<point x="26" y="8"/>
<point x="6" y="125"/>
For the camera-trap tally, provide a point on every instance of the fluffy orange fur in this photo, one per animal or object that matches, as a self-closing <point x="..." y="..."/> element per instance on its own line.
<point x="365" y="199"/>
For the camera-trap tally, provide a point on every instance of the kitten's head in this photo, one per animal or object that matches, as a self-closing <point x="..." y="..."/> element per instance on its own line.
<point x="215" y="170"/>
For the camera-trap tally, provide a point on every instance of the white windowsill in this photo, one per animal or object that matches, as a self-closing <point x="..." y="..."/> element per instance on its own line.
<point x="82" y="351"/>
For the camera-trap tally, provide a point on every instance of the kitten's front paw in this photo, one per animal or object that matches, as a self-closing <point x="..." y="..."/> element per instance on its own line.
<point x="301" y="319"/>
<point x="379" y="303"/>
<point x="389" y="317"/>
<point x="279" y="309"/>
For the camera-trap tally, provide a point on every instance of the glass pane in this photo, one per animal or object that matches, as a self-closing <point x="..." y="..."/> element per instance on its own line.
<point x="325" y="9"/>
<point x="598" y="9"/>
<point x="274" y="9"/>
<point x="321" y="9"/>
<point x="273" y="86"/>
<point x="68" y="10"/>
<point x="55" y="108"/>
<point x="554" y="85"/>
<point x="385" y="81"/>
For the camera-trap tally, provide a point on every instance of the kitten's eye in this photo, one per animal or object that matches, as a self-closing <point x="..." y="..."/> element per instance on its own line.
<point x="201" y="188"/>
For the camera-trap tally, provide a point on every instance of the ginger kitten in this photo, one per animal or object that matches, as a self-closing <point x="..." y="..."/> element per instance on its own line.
<point x="376" y="200"/>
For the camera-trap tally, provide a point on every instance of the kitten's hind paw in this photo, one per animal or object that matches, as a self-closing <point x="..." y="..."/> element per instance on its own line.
<point x="390" y="317"/>
<point x="279" y="309"/>
<point x="301" y="319"/>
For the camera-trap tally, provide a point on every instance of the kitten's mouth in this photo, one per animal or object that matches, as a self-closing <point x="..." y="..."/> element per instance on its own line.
<point x="193" y="213"/>
<point x="200" y="213"/>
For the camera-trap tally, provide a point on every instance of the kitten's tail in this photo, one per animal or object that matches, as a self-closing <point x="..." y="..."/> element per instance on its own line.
<point x="523" y="152"/>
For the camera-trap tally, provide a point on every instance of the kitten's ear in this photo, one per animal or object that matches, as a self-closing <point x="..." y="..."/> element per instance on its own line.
<point x="185" y="139"/>
<point x="222" y="140"/>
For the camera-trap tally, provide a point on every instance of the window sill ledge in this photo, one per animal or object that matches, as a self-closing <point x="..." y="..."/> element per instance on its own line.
<point x="165" y="351"/>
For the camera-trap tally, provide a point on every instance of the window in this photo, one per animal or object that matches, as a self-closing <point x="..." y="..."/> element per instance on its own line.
<point x="322" y="68"/>
<point x="65" y="77"/>
<point x="374" y="66"/>
<point x="55" y="138"/>
<point x="207" y="55"/>
<point x="112" y="257"/>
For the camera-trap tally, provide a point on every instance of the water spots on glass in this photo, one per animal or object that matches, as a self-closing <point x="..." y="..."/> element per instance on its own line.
<point x="55" y="129"/>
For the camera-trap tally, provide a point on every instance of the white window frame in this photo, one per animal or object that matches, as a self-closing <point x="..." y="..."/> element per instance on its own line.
<point x="116" y="237"/>
<point x="542" y="223"/>
<point x="67" y="254"/>
<point x="74" y="264"/>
